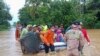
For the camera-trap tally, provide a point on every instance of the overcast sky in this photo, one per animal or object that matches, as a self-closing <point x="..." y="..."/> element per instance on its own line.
<point x="15" y="5"/>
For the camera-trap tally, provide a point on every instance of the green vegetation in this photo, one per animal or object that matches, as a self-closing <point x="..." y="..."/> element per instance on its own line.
<point x="61" y="12"/>
<point x="4" y="16"/>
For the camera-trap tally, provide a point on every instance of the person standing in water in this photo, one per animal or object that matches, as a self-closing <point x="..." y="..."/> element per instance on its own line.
<point x="85" y="34"/>
<point x="74" y="38"/>
<point x="48" y="40"/>
<point x="31" y="41"/>
<point x="24" y="36"/>
<point x="86" y="37"/>
<point x="18" y="31"/>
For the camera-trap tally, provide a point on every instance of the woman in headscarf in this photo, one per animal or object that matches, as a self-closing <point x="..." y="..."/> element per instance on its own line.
<point x="59" y="37"/>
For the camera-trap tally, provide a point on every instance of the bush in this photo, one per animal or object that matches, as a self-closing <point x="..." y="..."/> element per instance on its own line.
<point x="97" y="25"/>
<point x="3" y="27"/>
<point x="89" y="21"/>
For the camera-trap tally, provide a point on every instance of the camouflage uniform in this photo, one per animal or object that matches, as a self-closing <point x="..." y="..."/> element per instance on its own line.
<point x="74" y="38"/>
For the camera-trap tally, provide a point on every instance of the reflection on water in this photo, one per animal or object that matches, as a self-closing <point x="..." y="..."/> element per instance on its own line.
<point x="10" y="47"/>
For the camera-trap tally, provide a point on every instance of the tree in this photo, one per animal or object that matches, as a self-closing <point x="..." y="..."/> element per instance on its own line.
<point x="50" y="12"/>
<point x="25" y="16"/>
<point x="58" y="12"/>
<point x="4" y="15"/>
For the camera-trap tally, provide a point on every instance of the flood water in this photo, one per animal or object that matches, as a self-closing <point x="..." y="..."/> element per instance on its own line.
<point x="10" y="47"/>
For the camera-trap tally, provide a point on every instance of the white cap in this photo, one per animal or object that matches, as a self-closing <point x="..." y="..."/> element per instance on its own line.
<point x="81" y="23"/>
<point x="34" y="25"/>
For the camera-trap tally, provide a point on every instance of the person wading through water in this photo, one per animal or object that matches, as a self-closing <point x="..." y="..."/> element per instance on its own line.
<point x="48" y="40"/>
<point x="18" y="31"/>
<point x="74" y="38"/>
<point x="86" y="37"/>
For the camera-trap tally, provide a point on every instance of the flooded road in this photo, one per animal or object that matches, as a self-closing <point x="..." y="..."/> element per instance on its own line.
<point x="8" y="44"/>
<point x="10" y="47"/>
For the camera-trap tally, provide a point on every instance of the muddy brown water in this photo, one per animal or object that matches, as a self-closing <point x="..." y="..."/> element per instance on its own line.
<point x="10" y="47"/>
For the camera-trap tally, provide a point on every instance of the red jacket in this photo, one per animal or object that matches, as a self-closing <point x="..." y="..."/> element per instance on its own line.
<point x="85" y="34"/>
